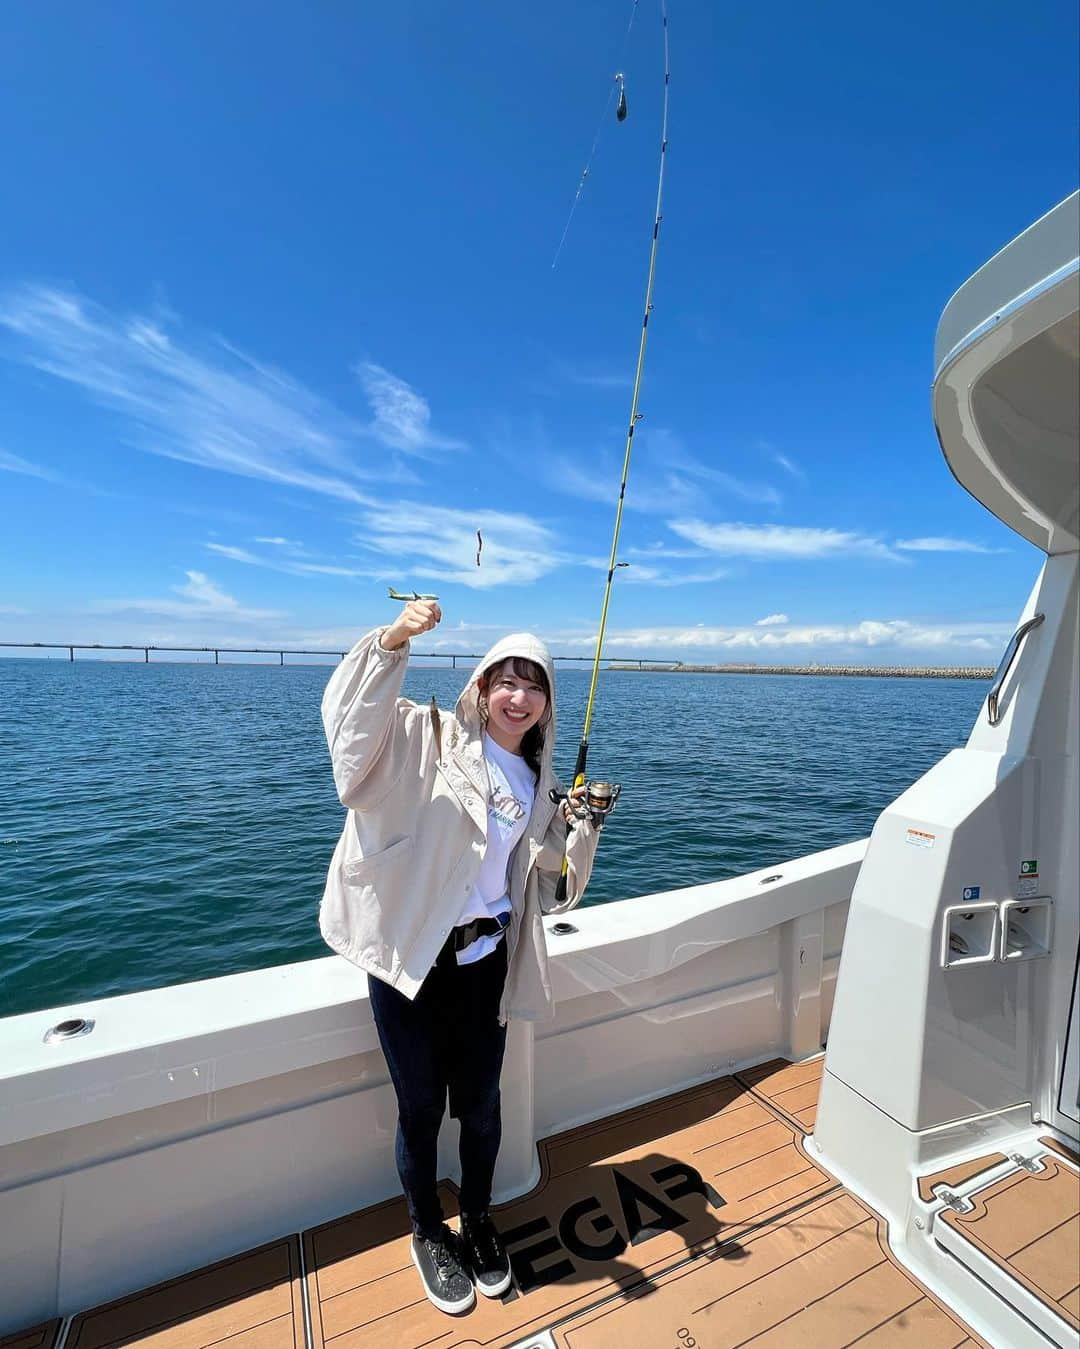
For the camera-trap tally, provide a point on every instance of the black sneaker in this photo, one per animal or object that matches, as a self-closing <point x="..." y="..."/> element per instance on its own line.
<point x="442" y="1271"/>
<point x="485" y="1254"/>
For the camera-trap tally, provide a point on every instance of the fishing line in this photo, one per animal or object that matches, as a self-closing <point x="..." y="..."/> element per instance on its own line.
<point x="619" y="82"/>
<point x="600" y="791"/>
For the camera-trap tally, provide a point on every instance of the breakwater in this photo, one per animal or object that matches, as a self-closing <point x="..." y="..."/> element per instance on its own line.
<point x="874" y="671"/>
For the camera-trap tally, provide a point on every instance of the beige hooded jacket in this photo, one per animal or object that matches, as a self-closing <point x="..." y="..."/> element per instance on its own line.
<point x="416" y="786"/>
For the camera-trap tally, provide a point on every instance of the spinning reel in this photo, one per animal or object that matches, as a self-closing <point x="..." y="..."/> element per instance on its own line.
<point x="600" y="798"/>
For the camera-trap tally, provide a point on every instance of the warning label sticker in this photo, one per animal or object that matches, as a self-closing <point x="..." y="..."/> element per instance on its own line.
<point x="919" y="838"/>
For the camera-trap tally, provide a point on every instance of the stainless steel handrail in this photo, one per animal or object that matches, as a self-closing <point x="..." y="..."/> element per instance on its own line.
<point x="993" y="712"/>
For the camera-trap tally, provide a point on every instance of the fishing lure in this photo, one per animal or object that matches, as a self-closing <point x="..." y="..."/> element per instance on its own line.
<point x="408" y="595"/>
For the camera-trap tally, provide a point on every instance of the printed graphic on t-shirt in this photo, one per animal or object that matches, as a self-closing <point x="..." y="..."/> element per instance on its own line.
<point x="511" y="792"/>
<point x="504" y="809"/>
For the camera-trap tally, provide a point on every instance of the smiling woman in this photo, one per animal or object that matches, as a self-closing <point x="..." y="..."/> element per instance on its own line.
<point x="514" y="697"/>
<point x="451" y="852"/>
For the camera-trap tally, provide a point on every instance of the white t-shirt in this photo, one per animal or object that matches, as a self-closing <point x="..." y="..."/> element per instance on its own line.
<point x="510" y="803"/>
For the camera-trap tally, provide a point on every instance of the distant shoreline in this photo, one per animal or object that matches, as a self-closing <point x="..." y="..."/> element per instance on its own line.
<point x="202" y="656"/>
<point x="874" y="671"/>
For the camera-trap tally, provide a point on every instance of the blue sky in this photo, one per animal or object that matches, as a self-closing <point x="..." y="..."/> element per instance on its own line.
<point x="279" y="325"/>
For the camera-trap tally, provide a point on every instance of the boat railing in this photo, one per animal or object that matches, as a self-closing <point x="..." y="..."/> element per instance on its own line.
<point x="993" y="711"/>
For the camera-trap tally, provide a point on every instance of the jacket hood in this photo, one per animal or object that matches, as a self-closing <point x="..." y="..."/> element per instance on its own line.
<point x="530" y="647"/>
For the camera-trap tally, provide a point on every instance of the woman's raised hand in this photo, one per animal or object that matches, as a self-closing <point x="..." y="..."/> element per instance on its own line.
<point x="417" y="617"/>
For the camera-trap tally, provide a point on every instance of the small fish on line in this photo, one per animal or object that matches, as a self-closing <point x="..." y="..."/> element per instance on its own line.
<point x="408" y="595"/>
<point x="621" y="109"/>
<point x="479" y="546"/>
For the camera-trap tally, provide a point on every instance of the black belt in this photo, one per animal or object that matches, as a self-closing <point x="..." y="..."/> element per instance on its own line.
<point x="479" y="927"/>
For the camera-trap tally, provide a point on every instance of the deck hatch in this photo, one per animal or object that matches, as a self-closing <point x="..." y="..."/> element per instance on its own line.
<point x="1024" y="1228"/>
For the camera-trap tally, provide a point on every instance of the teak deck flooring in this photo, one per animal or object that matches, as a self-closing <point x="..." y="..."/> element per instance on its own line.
<point x="1029" y="1225"/>
<point x="695" y="1219"/>
<point x="790" y="1088"/>
<point x="252" y="1301"/>
<point x="619" y="1200"/>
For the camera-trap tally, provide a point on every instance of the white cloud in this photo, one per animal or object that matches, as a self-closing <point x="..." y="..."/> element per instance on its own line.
<point x="943" y="545"/>
<point x="664" y="552"/>
<point x="639" y="575"/>
<point x="440" y="543"/>
<point x="789" y="466"/>
<point x="402" y="416"/>
<point x="572" y="477"/>
<point x="665" y="478"/>
<point x="786" y="643"/>
<point x="650" y="488"/>
<point x="677" y="460"/>
<point x="649" y="573"/>
<point x="594" y="379"/>
<point x="234" y="554"/>
<point x="331" y="569"/>
<point x="407" y="539"/>
<point x="12" y="463"/>
<point x="207" y="594"/>
<point x="201" y="599"/>
<point x="771" y="620"/>
<point x="288" y="566"/>
<point x="791" y="542"/>
<point x="276" y="542"/>
<point x="212" y="405"/>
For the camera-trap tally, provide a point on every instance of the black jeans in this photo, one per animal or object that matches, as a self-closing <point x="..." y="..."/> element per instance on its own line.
<point x="447" y="1039"/>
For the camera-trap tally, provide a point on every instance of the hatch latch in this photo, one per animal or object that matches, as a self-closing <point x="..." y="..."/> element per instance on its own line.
<point x="952" y="1200"/>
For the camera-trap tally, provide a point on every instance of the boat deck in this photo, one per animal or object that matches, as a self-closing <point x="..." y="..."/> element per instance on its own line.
<point x="695" y="1218"/>
<point x="1027" y="1224"/>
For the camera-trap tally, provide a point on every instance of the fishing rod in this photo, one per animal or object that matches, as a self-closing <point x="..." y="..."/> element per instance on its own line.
<point x="600" y="797"/>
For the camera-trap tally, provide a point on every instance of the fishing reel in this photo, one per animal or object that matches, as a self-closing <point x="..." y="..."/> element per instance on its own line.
<point x="600" y="798"/>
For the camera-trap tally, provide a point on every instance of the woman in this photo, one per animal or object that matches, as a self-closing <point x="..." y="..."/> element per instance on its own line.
<point x="451" y="852"/>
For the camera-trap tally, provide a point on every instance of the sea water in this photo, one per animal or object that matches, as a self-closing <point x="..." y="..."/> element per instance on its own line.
<point x="170" y="822"/>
